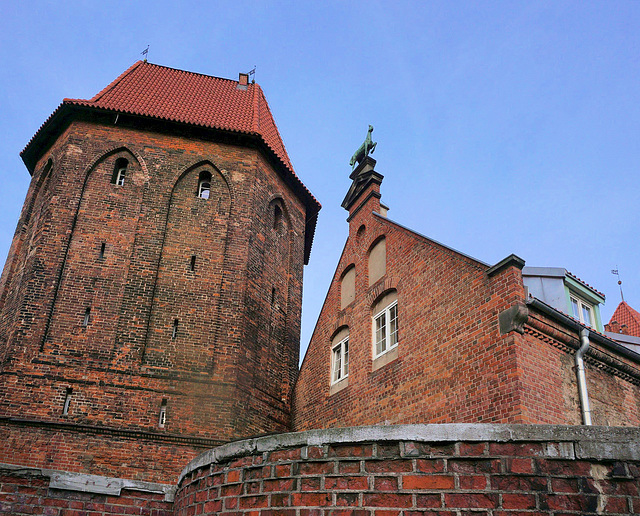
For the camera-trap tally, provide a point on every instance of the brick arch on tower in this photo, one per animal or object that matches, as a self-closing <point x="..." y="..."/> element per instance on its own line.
<point x="184" y="321"/>
<point x="97" y="259"/>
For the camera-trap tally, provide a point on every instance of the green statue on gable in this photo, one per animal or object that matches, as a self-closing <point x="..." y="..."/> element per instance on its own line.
<point x="363" y="151"/>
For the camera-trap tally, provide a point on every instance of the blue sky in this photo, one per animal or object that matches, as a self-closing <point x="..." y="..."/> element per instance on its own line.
<point x="502" y="127"/>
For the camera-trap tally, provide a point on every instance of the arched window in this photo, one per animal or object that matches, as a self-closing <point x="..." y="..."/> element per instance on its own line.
<point x="119" y="172"/>
<point x="348" y="287"/>
<point x="204" y="185"/>
<point x="340" y="356"/>
<point x="377" y="260"/>
<point x="385" y="324"/>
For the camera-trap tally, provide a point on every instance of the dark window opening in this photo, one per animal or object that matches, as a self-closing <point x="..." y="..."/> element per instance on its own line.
<point x="67" y="401"/>
<point x="119" y="172"/>
<point x="204" y="185"/>
<point x="87" y="317"/>
<point x="277" y="216"/>
<point x="174" y="331"/>
<point x="273" y="295"/>
<point x="192" y="265"/>
<point x="103" y="247"/>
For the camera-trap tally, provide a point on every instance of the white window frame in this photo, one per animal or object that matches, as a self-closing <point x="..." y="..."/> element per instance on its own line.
<point x="340" y="361"/>
<point x="204" y="189"/>
<point x="388" y="336"/>
<point x="122" y="172"/>
<point x="582" y="304"/>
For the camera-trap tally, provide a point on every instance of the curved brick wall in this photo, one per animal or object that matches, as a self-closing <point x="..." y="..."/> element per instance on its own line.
<point x="419" y="469"/>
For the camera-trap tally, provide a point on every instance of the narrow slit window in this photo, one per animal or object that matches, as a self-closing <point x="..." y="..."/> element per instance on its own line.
<point x="204" y="185"/>
<point x="103" y="247"/>
<point x="162" y="418"/>
<point x="192" y="263"/>
<point x="277" y="216"/>
<point x="119" y="172"/>
<point x="174" y="331"/>
<point x="273" y="295"/>
<point x="87" y="317"/>
<point x="67" y="401"/>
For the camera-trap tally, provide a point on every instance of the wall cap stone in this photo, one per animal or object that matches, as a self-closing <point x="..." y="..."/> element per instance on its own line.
<point x="97" y="484"/>
<point x="582" y="442"/>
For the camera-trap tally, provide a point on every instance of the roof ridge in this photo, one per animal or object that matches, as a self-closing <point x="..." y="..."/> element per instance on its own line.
<point x="273" y="122"/>
<point x="188" y="72"/>
<point x="113" y="83"/>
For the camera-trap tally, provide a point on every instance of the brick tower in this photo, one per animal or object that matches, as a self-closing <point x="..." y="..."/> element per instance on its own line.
<point x="150" y="303"/>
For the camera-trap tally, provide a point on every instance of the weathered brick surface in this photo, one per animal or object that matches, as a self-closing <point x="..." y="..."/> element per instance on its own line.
<point x="378" y="486"/>
<point x="22" y="493"/>
<point x="229" y="370"/>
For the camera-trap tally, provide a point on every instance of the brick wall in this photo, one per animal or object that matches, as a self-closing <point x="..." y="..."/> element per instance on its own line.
<point x="51" y="493"/>
<point x="452" y="364"/>
<point x="420" y="469"/>
<point x="229" y="370"/>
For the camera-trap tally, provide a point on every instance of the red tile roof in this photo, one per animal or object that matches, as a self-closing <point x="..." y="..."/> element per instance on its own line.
<point x="166" y="93"/>
<point x="624" y="314"/>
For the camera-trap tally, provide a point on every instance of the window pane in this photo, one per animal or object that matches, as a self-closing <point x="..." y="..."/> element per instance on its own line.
<point x="121" y="174"/>
<point x="205" y="188"/>
<point x="586" y="314"/>
<point x="346" y="357"/>
<point x="574" y="308"/>
<point x="393" y="325"/>
<point x="381" y="341"/>
<point x="336" y="364"/>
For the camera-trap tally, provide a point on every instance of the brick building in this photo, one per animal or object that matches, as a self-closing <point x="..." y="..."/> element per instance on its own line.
<point x="150" y="311"/>
<point x="413" y="331"/>
<point x="150" y="304"/>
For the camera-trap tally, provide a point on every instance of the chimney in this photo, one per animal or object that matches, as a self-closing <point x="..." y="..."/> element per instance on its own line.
<point x="243" y="79"/>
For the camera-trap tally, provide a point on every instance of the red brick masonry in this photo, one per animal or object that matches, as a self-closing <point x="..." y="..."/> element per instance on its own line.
<point x="491" y="470"/>
<point x="419" y="469"/>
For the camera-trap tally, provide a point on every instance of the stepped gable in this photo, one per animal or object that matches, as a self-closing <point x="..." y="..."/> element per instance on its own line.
<point x="625" y="315"/>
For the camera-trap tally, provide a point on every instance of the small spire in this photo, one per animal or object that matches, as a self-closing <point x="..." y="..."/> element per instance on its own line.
<point x="615" y="271"/>
<point x="145" y="52"/>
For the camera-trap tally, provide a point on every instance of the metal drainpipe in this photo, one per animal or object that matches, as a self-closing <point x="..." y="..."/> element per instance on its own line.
<point x="582" y="379"/>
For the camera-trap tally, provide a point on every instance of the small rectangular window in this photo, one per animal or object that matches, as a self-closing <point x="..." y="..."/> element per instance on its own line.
<point x="340" y="369"/>
<point x="162" y="418"/>
<point x="87" y="317"/>
<point x="386" y="329"/>
<point x="103" y="247"/>
<point x="192" y="264"/>
<point x="174" y="331"/>
<point x="67" y="401"/>
<point x="582" y="311"/>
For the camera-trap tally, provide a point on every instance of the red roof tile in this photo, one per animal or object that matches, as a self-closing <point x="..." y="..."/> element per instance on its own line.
<point x="585" y="284"/>
<point x="624" y="314"/>
<point x="166" y="93"/>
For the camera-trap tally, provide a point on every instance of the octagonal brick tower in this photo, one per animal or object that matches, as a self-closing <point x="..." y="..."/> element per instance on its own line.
<point x="150" y="303"/>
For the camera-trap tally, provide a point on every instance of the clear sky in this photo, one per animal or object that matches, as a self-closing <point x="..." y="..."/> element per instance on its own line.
<point x="502" y="127"/>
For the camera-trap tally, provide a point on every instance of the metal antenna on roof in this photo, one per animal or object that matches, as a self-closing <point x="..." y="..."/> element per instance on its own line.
<point x="145" y="52"/>
<point x="252" y="73"/>
<point x="615" y="271"/>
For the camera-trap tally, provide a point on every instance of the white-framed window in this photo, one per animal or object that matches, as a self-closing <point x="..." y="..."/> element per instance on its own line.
<point x="119" y="172"/>
<point x="204" y="185"/>
<point x="340" y="359"/>
<point x="582" y="311"/>
<point x="385" y="324"/>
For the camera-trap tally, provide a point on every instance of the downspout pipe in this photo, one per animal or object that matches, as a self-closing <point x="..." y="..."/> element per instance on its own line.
<point x="582" y="379"/>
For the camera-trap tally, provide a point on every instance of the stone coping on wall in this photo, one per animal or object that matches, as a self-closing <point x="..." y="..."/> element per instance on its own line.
<point x="571" y="442"/>
<point x="85" y="483"/>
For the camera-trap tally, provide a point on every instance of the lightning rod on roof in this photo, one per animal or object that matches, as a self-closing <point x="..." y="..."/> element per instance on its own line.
<point x="252" y="73"/>
<point x="615" y="271"/>
<point x="145" y="52"/>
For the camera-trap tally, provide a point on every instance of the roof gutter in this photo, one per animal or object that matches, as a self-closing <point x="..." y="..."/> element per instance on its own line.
<point x="574" y="325"/>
